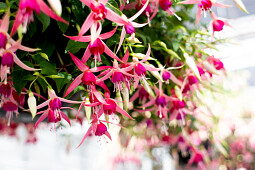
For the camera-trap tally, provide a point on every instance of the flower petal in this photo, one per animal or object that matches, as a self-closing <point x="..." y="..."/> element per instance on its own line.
<point x="77" y="81"/>
<point x="112" y="16"/>
<point x="78" y="63"/>
<point x="108" y="34"/>
<point x="123" y="112"/>
<point x="49" y="12"/>
<point x="86" y="56"/>
<point x="108" y="135"/>
<point x="122" y="36"/>
<point x="147" y="54"/>
<point x="139" y="12"/>
<point x="21" y="64"/>
<point x="65" y="117"/>
<point x="110" y="53"/>
<point x="189" y="2"/>
<point x="85" y="136"/>
<point x="41" y="118"/>
<point x="5" y="22"/>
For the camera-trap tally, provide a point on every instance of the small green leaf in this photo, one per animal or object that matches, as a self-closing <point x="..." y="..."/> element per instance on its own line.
<point x="48" y="68"/>
<point x="45" y="56"/>
<point x="55" y="76"/>
<point x="66" y="78"/>
<point x="75" y="46"/>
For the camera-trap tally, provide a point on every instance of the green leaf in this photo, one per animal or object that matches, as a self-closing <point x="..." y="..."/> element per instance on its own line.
<point x="3" y="6"/>
<point x="20" y="78"/>
<point x="75" y="46"/>
<point x="45" y="56"/>
<point x="48" y="68"/>
<point x="55" y="76"/>
<point x="62" y="26"/>
<point x="66" y="78"/>
<point x="44" y="19"/>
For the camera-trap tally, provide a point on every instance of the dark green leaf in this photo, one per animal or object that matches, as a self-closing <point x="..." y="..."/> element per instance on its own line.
<point x="44" y="19"/>
<point x="48" y="68"/>
<point x="75" y="46"/>
<point x="63" y="81"/>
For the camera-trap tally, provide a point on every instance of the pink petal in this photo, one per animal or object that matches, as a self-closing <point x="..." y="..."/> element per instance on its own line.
<point x="127" y="74"/>
<point x="99" y="97"/>
<point x="78" y="63"/>
<point x="123" y="112"/>
<point x="49" y="12"/>
<point x="217" y="4"/>
<point x="125" y="58"/>
<point x="137" y="25"/>
<point x="5" y="22"/>
<point x="104" y="73"/>
<point x="87" y="24"/>
<point x="69" y="101"/>
<point x="77" y="81"/>
<point x="40" y="112"/>
<point x="112" y="16"/>
<point x="189" y="2"/>
<point x="149" y="103"/>
<point x="128" y="68"/>
<point x="199" y="13"/>
<point x="122" y="36"/>
<point x="147" y="55"/>
<point x="85" y="136"/>
<point x="134" y="96"/>
<point x="105" y="77"/>
<point x="65" y="117"/>
<point x="136" y="82"/>
<point x="175" y="80"/>
<point x="88" y="2"/>
<point x="68" y="108"/>
<point x="110" y="53"/>
<point x="139" y="12"/>
<point x="86" y="55"/>
<point x="101" y="84"/>
<point x="150" y="68"/>
<point x="111" y="123"/>
<point x="17" y="22"/>
<point x="100" y="68"/>
<point x="155" y="11"/>
<point x="79" y="109"/>
<point x="103" y="1"/>
<point x="22" y="65"/>
<point x="108" y="34"/>
<point x="41" y="118"/>
<point x="43" y="104"/>
<point x="86" y="38"/>
<point x="21" y="47"/>
<point x="108" y="135"/>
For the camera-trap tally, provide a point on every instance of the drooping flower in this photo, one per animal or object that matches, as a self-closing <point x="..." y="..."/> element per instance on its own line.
<point x="203" y="6"/>
<point x="25" y="13"/>
<point x="87" y="77"/>
<point x="96" y="45"/>
<point x="217" y="23"/>
<point x="54" y="113"/>
<point x="166" y="6"/>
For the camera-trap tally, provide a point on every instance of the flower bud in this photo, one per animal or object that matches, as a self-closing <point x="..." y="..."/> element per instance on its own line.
<point x="166" y="75"/>
<point x="56" y="6"/>
<point x="87" y="109"/>
<point x="32" y="104"/>
<point x="192" y="65"/>
<point x="178" y="92"/>
<point x="125" y="94"/>
<point x="218" y="25"/>
<point x="118" y="97"/>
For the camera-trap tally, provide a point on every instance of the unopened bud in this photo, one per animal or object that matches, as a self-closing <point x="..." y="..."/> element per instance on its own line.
<point x="209" y="67"/>
<point x="192" y="65"/>
<point x="87" y="109"/>
<point x="178" y="92"/>
<point x="56" y="6"/>
<point x="32" y="104"/>
<point x="125" y="94"/>
<point x="119" y="98"/>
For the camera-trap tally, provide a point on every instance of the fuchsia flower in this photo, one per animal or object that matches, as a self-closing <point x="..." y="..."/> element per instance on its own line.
<point x="97" y="127"/>
<point x="8" y="48"/>
<point x="216" y="62"/>
<point x="142" y="95"/>
<point x="166" y="6"/>
<point x="25" y="13"/>
<point x="98" y="12"/>
<point x="117" y="75"/>
<point x="54" y="113"/>
<point x="129" y="25"/>
<point x="96" y="46"/>
<point x="218" y="24"/>
<point x="203" y="6"/>
<point x="87" y="77"/>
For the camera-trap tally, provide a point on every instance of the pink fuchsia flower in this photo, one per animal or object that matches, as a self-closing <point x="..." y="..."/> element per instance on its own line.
<point x="54" y="113"/>
<point x="97" y="127"/>
<point x="203" y="6"/>
<point x="129" y="26"/>
<point x="166" y="6"/>
<point x="25" y="13"/>
<point x="117" y="75"/>
<point x="217" y="23"/>
<point x="216" y="62"/>
<point x="96" y="46"/>
<point x="99" y="12"/>
<point x="87" y="77"/>
<point x="142" y="95"/>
